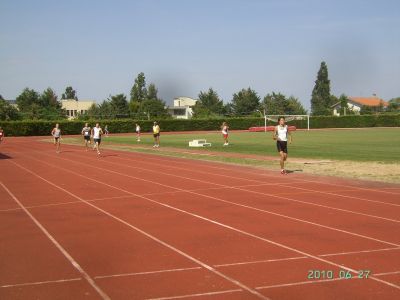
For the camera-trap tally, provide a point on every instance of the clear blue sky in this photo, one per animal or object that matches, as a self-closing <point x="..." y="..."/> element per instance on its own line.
<point x="185" y="46"/>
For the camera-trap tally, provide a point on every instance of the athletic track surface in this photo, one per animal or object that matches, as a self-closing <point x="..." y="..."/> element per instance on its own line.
<point x="140" y="226"/>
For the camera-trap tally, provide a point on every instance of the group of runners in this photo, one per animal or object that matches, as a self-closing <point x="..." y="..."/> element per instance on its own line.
<point x="281" y="134"/>
<point x="89" y="134"/>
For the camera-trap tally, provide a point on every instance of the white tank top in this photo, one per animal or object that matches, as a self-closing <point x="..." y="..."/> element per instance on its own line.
<point x="96" y="132"/>
<point x="282" y="133"/>
<point x="57" y="132"/>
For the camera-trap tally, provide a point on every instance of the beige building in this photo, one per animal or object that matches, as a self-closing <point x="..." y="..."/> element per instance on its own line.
<point x="75" y="107"/>
<point x="182" y="108"/>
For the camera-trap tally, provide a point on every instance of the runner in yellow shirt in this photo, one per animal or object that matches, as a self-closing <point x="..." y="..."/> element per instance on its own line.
<point x="156" y="134"/>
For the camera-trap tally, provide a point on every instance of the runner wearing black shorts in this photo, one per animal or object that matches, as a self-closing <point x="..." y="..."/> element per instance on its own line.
<point x="97" y="132"/>
<point x="282" y="146"/>
<point x="86" y="135"/>
<point x="281" y="134"/>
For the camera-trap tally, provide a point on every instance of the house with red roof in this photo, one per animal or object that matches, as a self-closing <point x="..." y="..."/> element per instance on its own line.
<point x="355" y="104"/>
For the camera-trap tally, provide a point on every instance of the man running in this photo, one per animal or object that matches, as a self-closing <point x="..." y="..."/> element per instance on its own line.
<point x="86" y="135"/>
<point x="156" y="135"/>
<point x="281" y="134"/>
<point x="56" y="133"/>
<point x="97" y="133"/>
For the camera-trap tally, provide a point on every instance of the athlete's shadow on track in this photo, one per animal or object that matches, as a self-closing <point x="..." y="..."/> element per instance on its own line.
<point x="293" y="171"/>
<point x="4" y="156"/>
<point x="107" y="155"/>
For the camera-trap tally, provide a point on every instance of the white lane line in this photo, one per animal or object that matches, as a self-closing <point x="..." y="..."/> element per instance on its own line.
<point x="250" y="191"/>
<point x="39" y="282"/>
<point x="197" y="295"/>
<point x="241" y="169"/>
<point x="62" y="250"/>
<point x="107" y="198"/>
<point x="204" y="265"/>
<point x="207" y="220"/>
<point x="387" y="273"/>
<point x="303" y="257"/>
<point x="339" y="195"/>
<point x="317" y="205"/>
<point x="147" y="273"/>
<point x="360" y="252"/>
<point x="39" y="206"/>
<point x="244" y="263"/>
<point x="213" y="198"/>
<point x="262" y="174"/>
<point x="260" y="261"/>
<point x="302" y="283"/>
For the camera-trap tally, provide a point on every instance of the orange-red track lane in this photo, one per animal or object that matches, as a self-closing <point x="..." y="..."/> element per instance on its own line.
<point x="142" y="226"/>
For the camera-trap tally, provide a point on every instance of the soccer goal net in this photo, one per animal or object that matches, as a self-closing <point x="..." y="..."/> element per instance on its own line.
<point x="288" y="118"/>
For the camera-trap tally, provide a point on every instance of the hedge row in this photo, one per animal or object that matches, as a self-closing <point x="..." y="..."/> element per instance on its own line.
<point x="28" y="128"/>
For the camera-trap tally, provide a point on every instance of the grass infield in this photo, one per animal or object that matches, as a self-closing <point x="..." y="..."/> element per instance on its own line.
<point x="375" y="144"/>
<point x="368" y="154"/>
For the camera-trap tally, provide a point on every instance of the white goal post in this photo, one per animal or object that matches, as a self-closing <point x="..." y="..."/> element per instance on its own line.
<point x="288" y="118"/>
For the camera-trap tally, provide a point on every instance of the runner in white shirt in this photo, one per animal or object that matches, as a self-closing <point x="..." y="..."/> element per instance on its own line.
<point x="281" y="134"/>
<point x="97" y="133"/>
<point x="225" y="129"/>
<point x="56" y="133"/>
<point x="137" y="132"/>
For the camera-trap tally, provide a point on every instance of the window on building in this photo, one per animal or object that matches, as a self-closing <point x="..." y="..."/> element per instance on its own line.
<point x="179" y="112"/>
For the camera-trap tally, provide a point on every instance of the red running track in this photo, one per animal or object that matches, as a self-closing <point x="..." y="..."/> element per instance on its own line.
<point x="141" y="226"/>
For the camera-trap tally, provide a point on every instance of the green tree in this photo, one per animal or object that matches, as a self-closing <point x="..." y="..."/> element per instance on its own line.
<point x="70" y="93"/>
<point x="321" y="94"/>
<point x="279" y="104"/>
<point x="139" y="91"/>
<point x="7" y="111"/>
<point x="153" y="108"/>
<point x="119" y="105"/>
<point x="92" y="113"/>
<point x="208" y="105"/>
<point x="49" y="99"/>
<point x="106" y="110"/>
<point x="27" y="99"/>
<point x="394" y="105"/>
<point x="50" y="106"/>
<point x="294" y="107"/>
<point x="274" y="103"/>
<point x="245" y="102"/>
<point x="152" y="92"/>
<point x="366" y="110"/>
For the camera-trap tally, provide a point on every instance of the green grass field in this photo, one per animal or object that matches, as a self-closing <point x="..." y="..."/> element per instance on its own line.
<point x="368" y="145"/>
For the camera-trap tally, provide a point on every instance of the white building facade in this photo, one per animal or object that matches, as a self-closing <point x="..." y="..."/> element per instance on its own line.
<point x="355" y="104"/>
<point x="75" y="107"/>
<point x="182" y="108"/>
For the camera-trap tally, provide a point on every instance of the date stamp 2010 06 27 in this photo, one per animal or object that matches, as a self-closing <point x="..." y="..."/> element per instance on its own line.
<point x="342" y="274"/>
